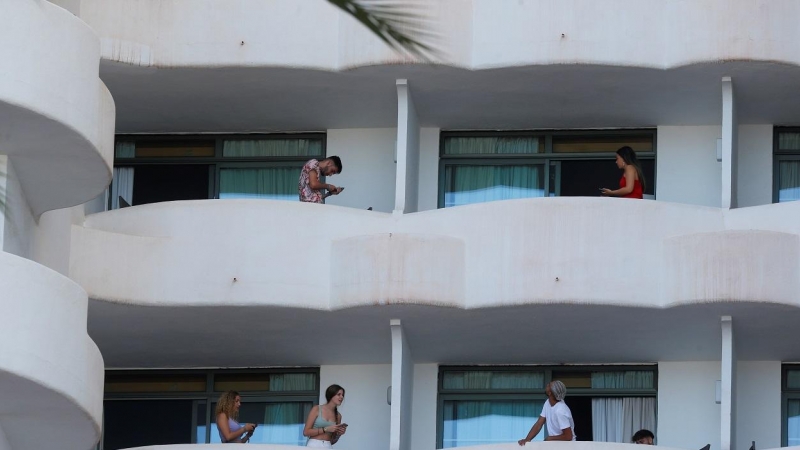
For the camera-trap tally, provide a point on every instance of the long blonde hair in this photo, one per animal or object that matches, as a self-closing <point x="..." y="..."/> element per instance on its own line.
<point x="227" y="404"/>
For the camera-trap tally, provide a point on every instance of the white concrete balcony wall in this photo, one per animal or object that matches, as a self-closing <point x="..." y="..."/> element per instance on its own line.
<point x="189" y="253"/>
<point x="58" y="126"/>
<point x="650" y="33"/>
<point x="473" y="33"/>
<point x="51" y="373"/>
<point x="577" y="445"/>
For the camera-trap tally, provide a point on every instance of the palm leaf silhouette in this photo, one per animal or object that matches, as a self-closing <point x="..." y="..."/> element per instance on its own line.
<point x="397" y="23"/>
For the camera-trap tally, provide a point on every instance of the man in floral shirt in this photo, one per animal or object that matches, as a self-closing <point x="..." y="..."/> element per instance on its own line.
<point x="310" y="187"/>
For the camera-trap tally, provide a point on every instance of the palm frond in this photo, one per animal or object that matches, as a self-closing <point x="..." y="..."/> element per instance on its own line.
<point x="396" y="23"/>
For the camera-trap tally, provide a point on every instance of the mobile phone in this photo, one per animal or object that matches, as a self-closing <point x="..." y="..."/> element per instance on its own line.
<point x="343" y="425"/>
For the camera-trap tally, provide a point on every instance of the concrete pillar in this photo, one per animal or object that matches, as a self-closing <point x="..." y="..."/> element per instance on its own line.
<point x="730" y="144"/>
<point x="728" y="381"/>
<point x="407" y="179"/>
<point x="53" y="241"/>
<point x="402" y="390"/>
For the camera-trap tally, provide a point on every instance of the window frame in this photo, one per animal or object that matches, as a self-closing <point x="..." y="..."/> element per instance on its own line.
<point x="786" y="395"/>
<point x="210" y="396"/>
<point x="443" y="395"/>
<point x="779" y="156"/>
<point x="546" y="157"/>
<point x="218" y="161"/>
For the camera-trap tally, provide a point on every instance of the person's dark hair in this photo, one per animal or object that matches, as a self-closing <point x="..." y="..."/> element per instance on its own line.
<point x="333" y="390"/>
<point x="337" y="162"/>
<point x="629" y="156"/>
<point x="641" y="434"/>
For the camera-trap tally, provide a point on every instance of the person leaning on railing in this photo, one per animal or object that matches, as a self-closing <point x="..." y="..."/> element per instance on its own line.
<point x="555" y="414"/>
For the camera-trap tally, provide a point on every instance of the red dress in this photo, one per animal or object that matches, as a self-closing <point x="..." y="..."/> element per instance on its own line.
<point x="637" y="188"/>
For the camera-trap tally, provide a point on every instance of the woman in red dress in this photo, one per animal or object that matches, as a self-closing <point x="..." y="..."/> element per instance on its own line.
<point x="631" y="185"/>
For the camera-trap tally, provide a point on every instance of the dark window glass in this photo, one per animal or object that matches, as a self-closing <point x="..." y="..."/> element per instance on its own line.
<point x="584" y="178"/>
<point x="137" y="423"/>
<point x="163" y="183"/>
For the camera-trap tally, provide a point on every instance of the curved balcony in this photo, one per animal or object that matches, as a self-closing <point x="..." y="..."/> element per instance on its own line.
<point x="58" y="117"/>
<point x="578" y="445"/>
<point x="51" y="372"/>
<point x="473" y="34"/>
<point x="585" y="250"/>
<point x="643" y="268"/>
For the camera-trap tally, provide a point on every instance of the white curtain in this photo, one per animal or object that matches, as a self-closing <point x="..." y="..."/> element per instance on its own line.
<point x="616" y="419"/>
<point x="607" y="420"/>
<point x="122" y="186"/>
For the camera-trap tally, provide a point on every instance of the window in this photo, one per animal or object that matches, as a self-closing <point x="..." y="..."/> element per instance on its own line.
<point x="486" y="405"/>
<point x="479" y="167"/>
<point x="791" y="406"/>
<point x="143" y="408"/>
<point x="787" y="165"/>
<point x="164" y="168"/>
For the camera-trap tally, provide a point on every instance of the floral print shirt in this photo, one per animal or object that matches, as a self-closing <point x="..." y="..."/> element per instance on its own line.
<point x="306" y="193"/>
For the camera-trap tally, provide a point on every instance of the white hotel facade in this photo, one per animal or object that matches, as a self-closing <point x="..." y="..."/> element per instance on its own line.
<point x="443" y="311"/>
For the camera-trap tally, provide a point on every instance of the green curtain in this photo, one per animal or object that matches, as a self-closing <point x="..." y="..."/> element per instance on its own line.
<point x="476" y="184"/>
<point x="789" y="141"/>
<point x="629" y="379"/>
<point x="490" y="145"/>
<point x="488" y="422"/>
<point x="283" y="424"/>
<point x="493" y="380"/>
<point x="125" y="149"/>
<point x="615" y="419"/>
<point x="793" y="379"/>
<point x="788" y="181"/>
<point x="292" y="382"/>
<point x="272" y="147"/>
<point x="277" y="183"/>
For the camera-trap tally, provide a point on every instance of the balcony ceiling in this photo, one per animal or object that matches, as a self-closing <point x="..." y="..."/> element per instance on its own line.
<point x="241" y="99"/>
<point x="164" y="337"/>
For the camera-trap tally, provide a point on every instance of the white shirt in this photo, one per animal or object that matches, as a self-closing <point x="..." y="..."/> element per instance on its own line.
<point x="557" y="418"/>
